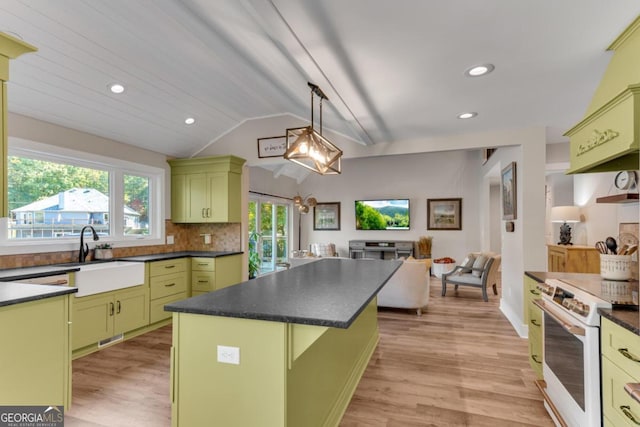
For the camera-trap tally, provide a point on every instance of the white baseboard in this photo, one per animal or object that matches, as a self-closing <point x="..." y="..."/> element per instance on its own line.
<point x="516" y="321"/>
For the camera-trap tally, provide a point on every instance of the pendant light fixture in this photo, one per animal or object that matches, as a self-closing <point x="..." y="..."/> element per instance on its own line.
<point x="308" y="148"/>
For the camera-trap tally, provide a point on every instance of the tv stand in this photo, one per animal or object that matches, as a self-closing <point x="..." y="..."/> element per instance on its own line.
<point x="380" y="249"/>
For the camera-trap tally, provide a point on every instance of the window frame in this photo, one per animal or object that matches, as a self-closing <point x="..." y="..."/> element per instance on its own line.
<point x="117" y="169"/>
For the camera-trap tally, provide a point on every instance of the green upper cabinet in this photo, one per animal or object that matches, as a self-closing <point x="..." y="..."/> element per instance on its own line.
<point x="206" y="189"/>
<point x="608" y="138"/>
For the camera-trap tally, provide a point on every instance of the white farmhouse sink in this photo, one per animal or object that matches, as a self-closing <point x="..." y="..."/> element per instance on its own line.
<point x="108" y="276"/>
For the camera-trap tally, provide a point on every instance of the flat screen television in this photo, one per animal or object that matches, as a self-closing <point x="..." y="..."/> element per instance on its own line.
<point x="382" y="214"/>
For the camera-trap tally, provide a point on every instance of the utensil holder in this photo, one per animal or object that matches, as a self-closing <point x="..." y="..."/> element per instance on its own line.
<point x="615" y="267"/>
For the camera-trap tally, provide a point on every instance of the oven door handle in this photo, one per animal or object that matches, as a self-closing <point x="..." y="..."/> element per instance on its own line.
<point x="569" y="327"/>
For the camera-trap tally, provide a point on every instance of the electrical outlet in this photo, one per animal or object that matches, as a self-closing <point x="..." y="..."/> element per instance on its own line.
<point x="169" y="240"/>
<point x="229" y="355"/>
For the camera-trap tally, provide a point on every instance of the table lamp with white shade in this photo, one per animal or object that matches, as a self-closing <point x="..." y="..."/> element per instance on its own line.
<point x="566" y="215"/>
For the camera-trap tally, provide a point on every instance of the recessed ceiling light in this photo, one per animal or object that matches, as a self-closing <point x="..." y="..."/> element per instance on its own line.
<point x="467" y="115"/>
<point x="189" y="120"/>
<point x="116" y="88"/>
<point x="479" y="70"/>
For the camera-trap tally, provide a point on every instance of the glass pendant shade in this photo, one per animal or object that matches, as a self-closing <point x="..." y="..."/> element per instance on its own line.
<point x="308" y="148"/>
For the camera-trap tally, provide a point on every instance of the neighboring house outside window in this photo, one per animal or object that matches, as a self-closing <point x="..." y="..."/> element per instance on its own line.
<point x="65" y="214"/>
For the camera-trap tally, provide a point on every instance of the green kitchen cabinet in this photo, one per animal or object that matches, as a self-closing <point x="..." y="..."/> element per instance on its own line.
<point x="168" y="282"/>
<point x="206" y="189"/>
<point x="620" y="365"/>
<point x="607" y="139"/>
<point x="105" y="315"/>
<point x="533" y="317"/>
<point x="35" y="355"/>
<point x="211" y="274"/>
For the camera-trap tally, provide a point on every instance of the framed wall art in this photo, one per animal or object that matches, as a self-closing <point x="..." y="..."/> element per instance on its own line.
<point x="274" y="146"/>
<point x="509" y="187"/>
<point x="444" y="214"/>
<point x="326" y="216"/>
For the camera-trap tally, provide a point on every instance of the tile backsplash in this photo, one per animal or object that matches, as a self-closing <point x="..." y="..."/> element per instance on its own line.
<point x="187" y="237"/>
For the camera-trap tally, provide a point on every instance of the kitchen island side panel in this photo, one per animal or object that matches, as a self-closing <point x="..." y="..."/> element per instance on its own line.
<point x="209" y="393"/>
<point x="277" y="383"/>
<point x="322" y="380"/>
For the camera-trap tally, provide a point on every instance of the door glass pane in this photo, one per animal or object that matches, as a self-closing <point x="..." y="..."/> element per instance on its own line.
<point x="281" y="233"/>
<point x="136" y="205"/>
<point x="266" y="236"/>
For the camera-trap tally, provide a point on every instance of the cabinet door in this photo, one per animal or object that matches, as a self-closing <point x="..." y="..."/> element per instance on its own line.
<point x="228" y="271"/>
<point x="92" y="319"/>
<point x="131" y="310"/>
<point x="225" y="193"/>
<point x="557" y="260"/>
<point x="34" y="354"/>
<point x="179" y="198"/>
<point x="197" y="197"/>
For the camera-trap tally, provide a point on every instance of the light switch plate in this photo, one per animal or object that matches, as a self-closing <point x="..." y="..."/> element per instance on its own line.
<point x="169" y="240"/>
<point x="229" y="355"/>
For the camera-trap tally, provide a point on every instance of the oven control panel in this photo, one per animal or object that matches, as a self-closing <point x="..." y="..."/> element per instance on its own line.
<point x="577" y="306"/>
<point x="580" y="304"/>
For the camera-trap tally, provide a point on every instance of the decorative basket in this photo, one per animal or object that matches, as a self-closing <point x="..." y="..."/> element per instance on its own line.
<point x="615" y="267"/>
<point x="439" y="268"/>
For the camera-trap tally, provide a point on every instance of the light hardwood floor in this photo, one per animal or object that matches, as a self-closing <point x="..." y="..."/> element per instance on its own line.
<point x="459" y="364"/>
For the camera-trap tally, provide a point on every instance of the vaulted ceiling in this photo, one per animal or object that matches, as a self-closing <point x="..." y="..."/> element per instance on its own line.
<point x="393" y="70"/>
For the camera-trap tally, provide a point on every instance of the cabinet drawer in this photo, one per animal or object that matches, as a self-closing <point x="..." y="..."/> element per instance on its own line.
<point x="170" y="266"/>
<point x="203" y="264"/>
<point x="168" y="285"/>
<point x="622" y="347"/>
<point x="535" y="318"/>
<point x="156" y="311"/>
<point x="203" y="281"/>
<point x="535" y="351"/>
<point x="617" y="405"/>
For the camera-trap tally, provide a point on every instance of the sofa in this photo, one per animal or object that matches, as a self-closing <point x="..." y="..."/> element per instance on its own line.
<point x="408" y="287"/>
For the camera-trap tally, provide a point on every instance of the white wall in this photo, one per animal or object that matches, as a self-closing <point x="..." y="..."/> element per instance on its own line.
<point x="523" y="249"/>
<point x="418" y="177"/>
<point x="601" y="219"/>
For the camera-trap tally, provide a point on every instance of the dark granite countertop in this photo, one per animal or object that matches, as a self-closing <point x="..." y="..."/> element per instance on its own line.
<point x="329" y="292"/>
<point x="39" y="271"/>
<point x="17" y="293"/>
<point x="174" y="255"/>
<point x="627" y="317"/>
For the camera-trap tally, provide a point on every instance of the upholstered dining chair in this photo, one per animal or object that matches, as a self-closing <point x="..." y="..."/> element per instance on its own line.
<point x="479" y="270"/>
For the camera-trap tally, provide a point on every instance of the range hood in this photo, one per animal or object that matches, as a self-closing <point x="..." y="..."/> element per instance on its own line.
<point x="608" y="138"/>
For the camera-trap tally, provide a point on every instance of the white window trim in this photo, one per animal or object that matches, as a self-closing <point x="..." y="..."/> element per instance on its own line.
<point x="117" y="169"/>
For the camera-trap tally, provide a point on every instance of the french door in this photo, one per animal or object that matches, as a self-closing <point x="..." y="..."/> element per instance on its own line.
<point x="269" y="228"/>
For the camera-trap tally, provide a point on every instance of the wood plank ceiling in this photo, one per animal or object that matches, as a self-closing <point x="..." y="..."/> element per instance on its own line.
<point x="392" y="70"/>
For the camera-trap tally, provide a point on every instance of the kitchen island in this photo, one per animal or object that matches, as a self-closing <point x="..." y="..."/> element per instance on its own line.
<point x="286" y="349"/>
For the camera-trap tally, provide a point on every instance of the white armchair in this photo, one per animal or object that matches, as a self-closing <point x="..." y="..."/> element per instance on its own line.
<point x="408" y="287"/>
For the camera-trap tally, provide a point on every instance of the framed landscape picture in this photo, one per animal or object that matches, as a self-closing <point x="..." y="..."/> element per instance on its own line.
<point x="444" y="214"/>
<point x="326" y="216"/>
<point x="508" y="188"/>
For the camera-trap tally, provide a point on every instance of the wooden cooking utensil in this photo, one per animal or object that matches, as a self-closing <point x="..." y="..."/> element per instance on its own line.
<point x="622" y="250"/>
<point x="632" y="249"/>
